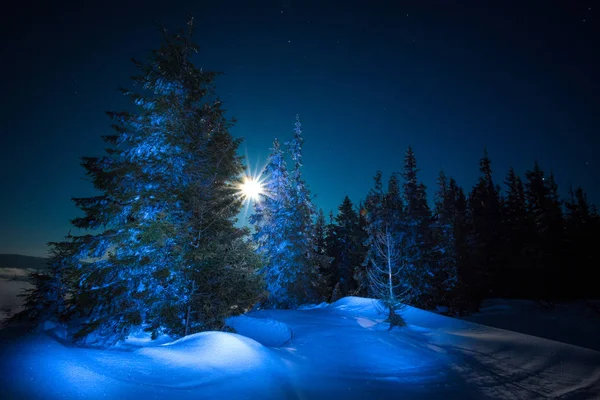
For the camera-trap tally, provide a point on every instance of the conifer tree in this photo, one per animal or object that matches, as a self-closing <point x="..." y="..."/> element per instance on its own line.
<point x="47" y="298"/>
<point x="346" y="246"/>
<point x="443" y="268"/>
<point x="322" y="249"/>
<point x="271" y="220"/>
<point x="153" y="254"/>
<point x="308" y="261"/>
<point x="486" y="234"/>
<point x="516" y="277"/>
<point x="416" y="223"/>
<point x="578" y="233"/>
<point x="544" y="207"/>
<point x="320" y="233"/>
<point x="285" y="231"/>
<point x="360" y="273"/>
<point x="330" y="245"/>
<point x="461" y="245"/>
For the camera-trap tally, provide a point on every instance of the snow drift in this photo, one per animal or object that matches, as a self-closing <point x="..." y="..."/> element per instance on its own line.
<point x="342" y="350"/>
<point x="268" y="332"/>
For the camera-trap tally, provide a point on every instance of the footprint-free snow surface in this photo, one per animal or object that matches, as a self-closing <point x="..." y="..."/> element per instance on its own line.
<point x="341" y="351"/>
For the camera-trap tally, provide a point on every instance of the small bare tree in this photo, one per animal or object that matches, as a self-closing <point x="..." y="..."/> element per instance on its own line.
<point x="385" y="274"/>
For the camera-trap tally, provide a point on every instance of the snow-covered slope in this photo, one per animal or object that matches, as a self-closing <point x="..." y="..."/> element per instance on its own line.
<point x="340" y="351"/>
<point x="576" y="322"/>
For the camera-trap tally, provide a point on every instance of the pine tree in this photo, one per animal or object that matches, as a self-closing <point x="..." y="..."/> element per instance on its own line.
<point x="461" y="245"/>
<point x="444" y="270"/>
<point x="321" y="233"/>
<point x="582" y="227"/>
<point x="285" y="231"/>
<point x="330" y="250"/>
<point x="417" y="227"/>
<point x="47" y="298"/>
<point x="486" y="234"/>
<point x="165" y="212"/>
<point x="517" y="276"/>
<point x="360" y="272"/>
<point x="308" y="261"/>
<point x="321" y="248"/>
<point x="271" y="220"/>
<point x="346" y="247"/>
<point x="544" y="207"/>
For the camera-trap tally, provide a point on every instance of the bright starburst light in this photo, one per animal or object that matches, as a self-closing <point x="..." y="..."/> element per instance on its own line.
<point x="251" y="189"/>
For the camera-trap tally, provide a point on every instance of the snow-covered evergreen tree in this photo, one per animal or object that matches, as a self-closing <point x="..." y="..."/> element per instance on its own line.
<point x="360" y="272"/>
<point x="386" y="261"/>
<point x="161" y="249"/>
<point x="485" y="234"/>
<point x="303" y="252"/>
<point x="322" y="232"/>
<point x="443" y="267"/>
<point x="416" y="223"/>
<point x="271" y="222"/>
<point x="285" y="232"/>
<point x="47" y="298"/>
<point x="346" y="247"/>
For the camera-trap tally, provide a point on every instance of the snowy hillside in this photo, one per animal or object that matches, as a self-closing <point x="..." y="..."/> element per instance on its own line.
<point x="575" y="322"/>
<point x="343" y="350"/>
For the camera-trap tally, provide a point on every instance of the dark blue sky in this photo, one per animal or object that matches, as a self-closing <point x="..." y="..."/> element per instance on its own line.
<point x="368" y="78"/>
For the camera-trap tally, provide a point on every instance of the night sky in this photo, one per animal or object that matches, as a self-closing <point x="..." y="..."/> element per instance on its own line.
<point x="368" y="78"/>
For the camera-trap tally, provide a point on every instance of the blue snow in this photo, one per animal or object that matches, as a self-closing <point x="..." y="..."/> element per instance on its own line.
<point x="343" y="350"/>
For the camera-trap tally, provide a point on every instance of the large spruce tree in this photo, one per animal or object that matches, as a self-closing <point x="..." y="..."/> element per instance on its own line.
<point x="416" y="223"/>
<point x="544" y="209"/>
<point x="485" y="234"/>
<point x="285" y="231"/>
<point x="516" y="275"/>
<point x="303" y="252"/>
<point x="161" y="249"/>
<point x="346" y="247"/>
<point x="581" y="233"/>
<point x="443" y="278"/>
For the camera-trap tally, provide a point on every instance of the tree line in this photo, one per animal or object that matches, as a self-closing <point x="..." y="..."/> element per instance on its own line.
<point x="516" y="240"/>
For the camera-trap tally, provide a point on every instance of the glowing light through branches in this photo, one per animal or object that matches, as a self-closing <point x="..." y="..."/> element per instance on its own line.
<point x="251" y="188"/>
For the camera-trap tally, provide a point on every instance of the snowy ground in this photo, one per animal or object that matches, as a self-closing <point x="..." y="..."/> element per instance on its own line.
<point x="576" y="322"/>
<point x="343" y="350"/>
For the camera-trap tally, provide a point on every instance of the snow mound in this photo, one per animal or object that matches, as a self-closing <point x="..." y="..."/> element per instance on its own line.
<point x="313" y="306"/>
<point x="142" y="338"/>
<point x="265" y="331"/>
<point x="206" y="365"/>
<point x="210" y="354"/>
<point x="355" y="304"/>
<point x="198" y="359"/>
